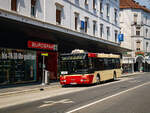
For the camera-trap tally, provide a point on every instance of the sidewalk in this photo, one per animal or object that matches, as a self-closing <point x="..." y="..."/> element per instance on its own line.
<point x="31" y="87"/>
<point x="131" y="74"/>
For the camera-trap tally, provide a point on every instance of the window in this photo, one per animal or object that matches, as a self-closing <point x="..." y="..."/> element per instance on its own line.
<point x="86" y="24"/>
<point x="58" y="16"/>
<point x="137" y="31"/>
<point x="108" y="32"/>
<point x="94" y="4"/>
<point x="116" y="35"/>
<point x="138" y="45"/>
<point x="59" y="9"/>
<point x="146" y="32"/>
<point x="77" y="2"/>
<point x="76" y="20"/>
<point x="146" y="20"/>
<point x="115" y="13"/>
<point x="101" y="6"/>
<point x="99" y="64"/>
<point x="101" y="30"/>
<point x="33" y="8"/>
<point x="86" y="2"/>
<point x="14" y="5"/>
<point x="94" y="27"/>
<point x="146" y="46"/>
<point x="135" y="18"/>
<point x="107" y="5"/>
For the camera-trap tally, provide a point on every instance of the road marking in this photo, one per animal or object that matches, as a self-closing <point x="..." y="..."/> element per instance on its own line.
<point x="50" y="103"/>
<point x="85" y="106"/>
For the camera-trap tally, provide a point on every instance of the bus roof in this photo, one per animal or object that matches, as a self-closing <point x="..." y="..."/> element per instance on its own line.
<point x="98" y="55"/>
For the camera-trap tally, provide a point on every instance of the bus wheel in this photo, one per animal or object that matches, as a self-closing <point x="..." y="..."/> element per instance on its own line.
<point x="98" y="79"/>
<point x="114" y="76"/>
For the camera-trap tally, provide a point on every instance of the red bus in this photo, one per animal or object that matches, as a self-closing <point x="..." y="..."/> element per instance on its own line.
<point x="88" y="68"/>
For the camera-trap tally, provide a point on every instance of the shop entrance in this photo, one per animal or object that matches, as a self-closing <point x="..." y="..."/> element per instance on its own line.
<point x="139" y="65"/>
<point x="49" y="63"/>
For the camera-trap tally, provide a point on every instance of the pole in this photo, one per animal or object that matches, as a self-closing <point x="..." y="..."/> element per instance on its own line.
<point x="133" y="66"/>
<point x="43" y="78"/>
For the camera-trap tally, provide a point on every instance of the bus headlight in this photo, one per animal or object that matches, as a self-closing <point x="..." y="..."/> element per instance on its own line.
<point x="83" y="80"/>
<point x="63" y="80"/>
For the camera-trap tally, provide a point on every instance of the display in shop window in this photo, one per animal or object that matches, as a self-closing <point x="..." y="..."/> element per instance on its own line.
<point x="17" y="66"/>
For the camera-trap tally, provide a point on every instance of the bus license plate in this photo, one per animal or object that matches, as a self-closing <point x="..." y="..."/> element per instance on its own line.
<point x="73" y="83"/>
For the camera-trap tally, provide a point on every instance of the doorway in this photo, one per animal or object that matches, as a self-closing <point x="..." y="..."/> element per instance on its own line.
<point x="49" y="63"/>
<point x="139" y="65"/>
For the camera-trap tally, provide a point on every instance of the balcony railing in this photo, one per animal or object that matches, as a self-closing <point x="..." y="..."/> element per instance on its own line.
<point x="137" y="23"/>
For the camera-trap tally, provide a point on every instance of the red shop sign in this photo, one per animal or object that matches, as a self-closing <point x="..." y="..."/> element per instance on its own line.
<point x="41" y="45"/>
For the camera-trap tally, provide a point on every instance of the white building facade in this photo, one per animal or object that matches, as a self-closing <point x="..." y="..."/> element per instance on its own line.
<point x="100" y="17"/>
<point x="135" y="25"/>
<point x="28" y="27"/>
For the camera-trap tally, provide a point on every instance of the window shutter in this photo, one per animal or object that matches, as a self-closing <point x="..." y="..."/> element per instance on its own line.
<point x="58" y="16"/>
<point x="14" y="5"/>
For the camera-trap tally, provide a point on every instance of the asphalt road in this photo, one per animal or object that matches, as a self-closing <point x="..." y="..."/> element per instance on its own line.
<point x="130" y="95"/>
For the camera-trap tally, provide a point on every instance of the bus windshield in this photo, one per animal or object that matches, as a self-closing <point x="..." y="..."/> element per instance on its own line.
<point x="74" y="66"/>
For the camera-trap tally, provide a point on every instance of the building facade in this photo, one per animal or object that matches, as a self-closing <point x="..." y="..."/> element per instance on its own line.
<point x="135" y="25"/>
<point x="30" y="28"/>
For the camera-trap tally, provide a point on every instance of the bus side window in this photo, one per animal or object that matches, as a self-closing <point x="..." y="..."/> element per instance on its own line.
<point x="101" y="63"/>
<point x="90" y="63"/>
<point x="113" y="63"/>
<point x="117" y="62"/>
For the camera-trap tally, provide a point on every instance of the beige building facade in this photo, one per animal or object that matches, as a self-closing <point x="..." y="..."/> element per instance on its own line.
<point x="135" y="25"/>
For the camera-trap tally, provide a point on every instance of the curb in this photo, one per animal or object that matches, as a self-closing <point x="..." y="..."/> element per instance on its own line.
<point x="41" y="88"/>
<point x="131" y="74"/>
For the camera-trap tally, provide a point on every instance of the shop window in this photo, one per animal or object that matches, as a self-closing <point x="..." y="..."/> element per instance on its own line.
<point x="33" y="8"/>
<point x="17" y="66"/>
<point x="14" y="5"/>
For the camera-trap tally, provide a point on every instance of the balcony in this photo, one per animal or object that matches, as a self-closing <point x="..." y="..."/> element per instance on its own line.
<point x="137" y="23"/>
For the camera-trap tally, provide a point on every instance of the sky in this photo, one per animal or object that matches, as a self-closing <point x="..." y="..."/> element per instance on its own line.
<point x="144" y="2"/>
